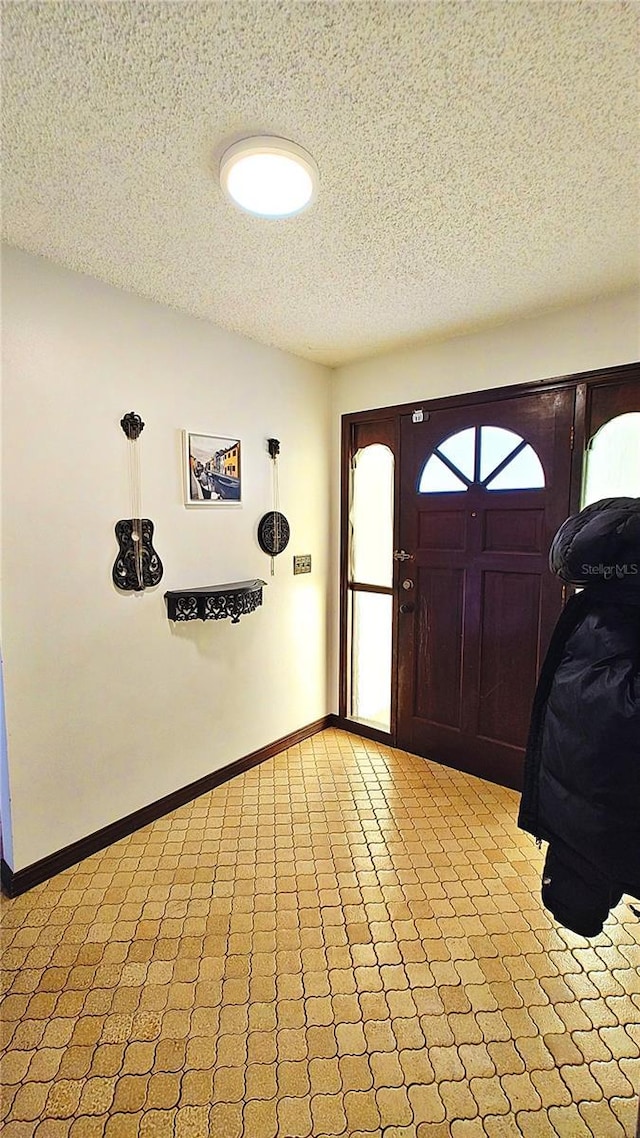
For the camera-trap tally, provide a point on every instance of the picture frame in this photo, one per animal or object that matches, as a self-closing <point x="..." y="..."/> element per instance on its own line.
<point x="212" y="471"/>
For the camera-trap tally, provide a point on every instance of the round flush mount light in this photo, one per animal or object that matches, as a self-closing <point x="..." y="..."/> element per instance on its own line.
<point x="269" y="177"/>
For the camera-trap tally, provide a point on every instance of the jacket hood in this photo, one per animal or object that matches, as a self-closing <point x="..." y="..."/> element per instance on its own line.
<point x="600" y="545"/>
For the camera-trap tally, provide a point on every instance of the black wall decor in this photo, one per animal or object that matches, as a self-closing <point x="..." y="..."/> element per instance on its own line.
<point x="273" y="528"/>
<point x="137" y="566"/>
<point x="215" y="602"/>
<point x="273" y="533"/>
<point x="132" y="426"/>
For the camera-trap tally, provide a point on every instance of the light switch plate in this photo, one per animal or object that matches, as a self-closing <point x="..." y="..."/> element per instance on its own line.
<point x="301" y="563"/>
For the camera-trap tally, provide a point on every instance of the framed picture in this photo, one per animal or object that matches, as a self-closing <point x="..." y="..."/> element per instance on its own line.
<point x="212" y="472"/>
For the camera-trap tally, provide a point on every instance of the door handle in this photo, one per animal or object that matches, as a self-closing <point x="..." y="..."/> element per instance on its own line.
<point x="400" y="555"/>
<point x="407" y="608"/>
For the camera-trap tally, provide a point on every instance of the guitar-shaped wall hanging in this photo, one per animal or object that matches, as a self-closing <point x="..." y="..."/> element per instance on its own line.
<point x="137" y="565"/>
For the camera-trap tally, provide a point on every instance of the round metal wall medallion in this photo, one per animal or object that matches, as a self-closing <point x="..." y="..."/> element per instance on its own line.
<point x="273" y="533"/>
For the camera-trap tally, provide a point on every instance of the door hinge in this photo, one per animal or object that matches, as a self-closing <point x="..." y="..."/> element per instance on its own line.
<point x="573" y="435"/>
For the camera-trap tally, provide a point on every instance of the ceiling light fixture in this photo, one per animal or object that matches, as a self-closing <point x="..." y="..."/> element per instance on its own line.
<point x="269" y="177"/>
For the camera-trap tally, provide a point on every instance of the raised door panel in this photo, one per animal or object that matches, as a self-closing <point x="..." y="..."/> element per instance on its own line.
<point x="444" y="531"/>
<point x="513" y="531"/>
<point x="509" y="637"/>
<point x="440" y="613"/>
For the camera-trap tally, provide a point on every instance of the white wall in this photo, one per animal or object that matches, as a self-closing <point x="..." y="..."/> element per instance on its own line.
<point x="590" y="336"/>
<point x="108" y="705"/>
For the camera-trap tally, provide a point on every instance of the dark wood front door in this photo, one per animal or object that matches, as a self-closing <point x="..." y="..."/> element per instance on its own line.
<point x="476" y="601"/>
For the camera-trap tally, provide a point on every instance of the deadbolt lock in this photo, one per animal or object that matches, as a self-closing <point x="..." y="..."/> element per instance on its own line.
<point x="407" y="584"/>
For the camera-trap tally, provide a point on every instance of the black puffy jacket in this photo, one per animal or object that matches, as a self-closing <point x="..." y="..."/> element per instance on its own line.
<point x="582" y="768"/>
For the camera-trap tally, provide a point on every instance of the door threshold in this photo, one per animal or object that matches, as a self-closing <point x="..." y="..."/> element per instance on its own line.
<point x="363" y="729"/>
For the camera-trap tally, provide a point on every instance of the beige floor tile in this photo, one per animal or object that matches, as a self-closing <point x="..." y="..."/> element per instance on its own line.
<point x="345" y="942"/>
<point x="600" y="1119"/>
<point x="489" y="1096"/>
<point x="535" y="1124"/>
<point x="568" y="1123"/>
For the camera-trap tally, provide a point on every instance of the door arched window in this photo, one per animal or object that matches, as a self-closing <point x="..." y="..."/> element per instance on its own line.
<point x="490" y="457"/>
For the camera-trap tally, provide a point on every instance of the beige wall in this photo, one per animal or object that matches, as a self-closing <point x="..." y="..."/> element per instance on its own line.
<point x="109" y="706"/>
<point x="589" y="336"/>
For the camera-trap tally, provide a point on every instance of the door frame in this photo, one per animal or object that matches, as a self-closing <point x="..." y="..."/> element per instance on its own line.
<point x="382" y="424"/>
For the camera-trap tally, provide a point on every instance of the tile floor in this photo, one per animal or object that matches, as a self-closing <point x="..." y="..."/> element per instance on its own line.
<point x="346" y="940"/>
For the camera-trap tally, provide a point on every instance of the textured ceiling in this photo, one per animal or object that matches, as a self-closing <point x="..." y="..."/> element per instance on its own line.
<point x="478" y="160"/>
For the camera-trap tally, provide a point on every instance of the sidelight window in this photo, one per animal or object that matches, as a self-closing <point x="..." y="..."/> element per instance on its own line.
<point x="490" y="457"/>
<point x="370" y="585"/>
<point x="371" y="516"/>
<point x="613" y="460"/>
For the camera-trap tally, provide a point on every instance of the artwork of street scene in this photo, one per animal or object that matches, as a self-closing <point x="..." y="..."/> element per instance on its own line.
<point x="213" y="469"/>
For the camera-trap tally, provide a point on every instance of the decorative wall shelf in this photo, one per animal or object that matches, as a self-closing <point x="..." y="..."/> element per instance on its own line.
<point x="215" y="602"/>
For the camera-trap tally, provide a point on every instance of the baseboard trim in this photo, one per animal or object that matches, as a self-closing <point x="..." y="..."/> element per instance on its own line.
<point x="13" y="884"/>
